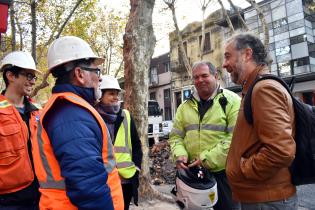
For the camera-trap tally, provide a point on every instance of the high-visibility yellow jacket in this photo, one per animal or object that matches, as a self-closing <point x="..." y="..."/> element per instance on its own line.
<point x="207" y="139"/>
<point x="123" y="148"/>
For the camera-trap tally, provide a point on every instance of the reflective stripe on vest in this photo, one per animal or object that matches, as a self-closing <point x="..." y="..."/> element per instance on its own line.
<point x="209" y="127"/>
<point x="109" y="162"/>
<point x="4" y="104"/>
<point x="50" y="181"/>
<point x="122" y="146"/>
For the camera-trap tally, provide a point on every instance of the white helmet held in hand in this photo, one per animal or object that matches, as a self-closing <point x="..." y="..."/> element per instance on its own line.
<point x="196" y="189"/>
<point x="20" y="59"/>
<point x="70" y="48"/>
<point x="109" y="82"/>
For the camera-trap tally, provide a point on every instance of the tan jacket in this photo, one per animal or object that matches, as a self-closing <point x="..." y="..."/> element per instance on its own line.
<point x="260" y="154"/>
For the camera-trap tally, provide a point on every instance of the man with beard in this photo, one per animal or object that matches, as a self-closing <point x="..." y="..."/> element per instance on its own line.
<point x="260" y="154"/>
<point x="203" y="129"/>
<point x="73" y="156"/>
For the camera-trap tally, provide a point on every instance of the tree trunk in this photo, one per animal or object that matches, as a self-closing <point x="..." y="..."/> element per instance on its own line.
<point x="203" y="23"/>
<point x="262" y="19"/>
<point x="34" y="34"/>
<point x="238" y="15"/>
<point x="180" y="41"/>
<point x="18" y="25"/>
<point x="139" y="42"/>
<point x="13" y="29"/>
<point x="227" y="18"/>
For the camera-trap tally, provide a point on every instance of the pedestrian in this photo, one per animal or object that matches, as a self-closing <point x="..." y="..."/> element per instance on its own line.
<point x="260" y="154"/>
<point x="203" y="127"/>
<point x="124" y="135"/>
<point x="74" y="157"/>
<point x="18" y="129"/>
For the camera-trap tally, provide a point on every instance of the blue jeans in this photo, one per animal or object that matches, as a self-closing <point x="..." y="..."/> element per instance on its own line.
<point x="286" y="204"/>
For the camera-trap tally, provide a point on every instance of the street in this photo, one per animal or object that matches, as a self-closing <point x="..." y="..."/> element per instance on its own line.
<point x="306" y="195"/>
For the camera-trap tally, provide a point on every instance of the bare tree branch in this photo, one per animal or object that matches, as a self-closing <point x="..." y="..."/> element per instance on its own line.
<point x="171" y="6"/>
<point x="262" y="20"/>
<point x="239" y="15"/>
<point x="13" y="29"/>
<point x="45" y="76"/>
<point x="228" y="20"/>
<point x="34" y="26"/>
<point x="68" y="18"/>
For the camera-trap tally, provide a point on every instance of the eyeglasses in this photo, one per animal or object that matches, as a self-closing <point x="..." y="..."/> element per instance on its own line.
<point x="29" y="76"/>
<point x="95" y="70"/>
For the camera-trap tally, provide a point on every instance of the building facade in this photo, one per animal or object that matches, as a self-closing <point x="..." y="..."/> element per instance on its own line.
<point x="160" y="84"/>
<point x="291" y="26"/>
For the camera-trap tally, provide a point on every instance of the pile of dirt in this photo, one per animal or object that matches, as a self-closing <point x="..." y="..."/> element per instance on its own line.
<point x="162" y="169"/>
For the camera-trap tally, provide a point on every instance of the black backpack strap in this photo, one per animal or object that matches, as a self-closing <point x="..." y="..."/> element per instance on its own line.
<point x="223" y="101"/>
<point x="248" y="97"/>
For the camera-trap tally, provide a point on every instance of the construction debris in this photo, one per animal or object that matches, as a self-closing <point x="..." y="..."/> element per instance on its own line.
<point x="162" y="168"/>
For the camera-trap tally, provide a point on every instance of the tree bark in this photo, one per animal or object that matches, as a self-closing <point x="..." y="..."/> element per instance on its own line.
<point x="239" y="15"/>
<point x="33" y="17"/>
<point x="262" y="19"/>
<point x="139" y="42"/>
<point x="13" y="29"/>
<point x="227" y="18"/>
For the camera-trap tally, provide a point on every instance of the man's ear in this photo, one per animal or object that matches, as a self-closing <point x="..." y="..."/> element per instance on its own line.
<point x="78" y="76"/>
<point x="10" y="76"/>
<point x="248" y="54"/>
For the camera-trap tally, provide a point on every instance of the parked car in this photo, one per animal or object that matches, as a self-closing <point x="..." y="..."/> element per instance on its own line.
<point x="167" y="127"/>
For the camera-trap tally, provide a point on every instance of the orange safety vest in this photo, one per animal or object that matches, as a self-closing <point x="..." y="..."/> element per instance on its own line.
<point x="52" y="185"/>
<point x="16" y="170"/>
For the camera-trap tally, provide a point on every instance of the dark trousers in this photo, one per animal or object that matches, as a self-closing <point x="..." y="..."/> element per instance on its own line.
<point x="225" y="201"/>
<point x="20" y="207"/>
<point x="128" y="194"/>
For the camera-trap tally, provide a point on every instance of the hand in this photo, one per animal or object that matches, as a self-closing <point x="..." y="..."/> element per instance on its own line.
<point x="181" y="161"/>
<point x="197" y="162"/>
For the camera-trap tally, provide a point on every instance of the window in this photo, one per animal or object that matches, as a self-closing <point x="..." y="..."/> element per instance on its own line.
<point x="166" y="66"/>
<point x="282" y="50"/>
<point x="207" y="44"/>
<point x="154" y="79"/>
<point x="279" y="23"/>
<point x="297" y="39"/>
<point x="167" y="113"/>
<point x="300" y="62"/>
<point x="284" y="69"/>
<point x="152" y="96"/>
<point x="185" y="47"/>
<point x="167" y="94"/>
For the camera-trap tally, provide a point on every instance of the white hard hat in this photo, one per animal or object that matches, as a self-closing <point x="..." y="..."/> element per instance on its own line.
<point x="70" y="48"/>
<point x="109" y="82"/>
<point x="20" y="59"/>
<point x="193" y="191"/>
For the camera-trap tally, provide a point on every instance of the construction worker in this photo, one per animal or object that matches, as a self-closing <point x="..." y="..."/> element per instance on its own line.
<point x="74" y="157"/>
<point x="125" y="138"/>
<point x="18" y="130"/>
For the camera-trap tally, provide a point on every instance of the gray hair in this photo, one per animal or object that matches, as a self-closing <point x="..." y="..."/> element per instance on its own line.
<point x="211" y="67"/>
<point x="248" y="40"/>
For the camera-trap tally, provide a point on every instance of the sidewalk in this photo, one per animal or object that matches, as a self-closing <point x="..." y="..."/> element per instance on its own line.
<point x="160" y="205"/>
